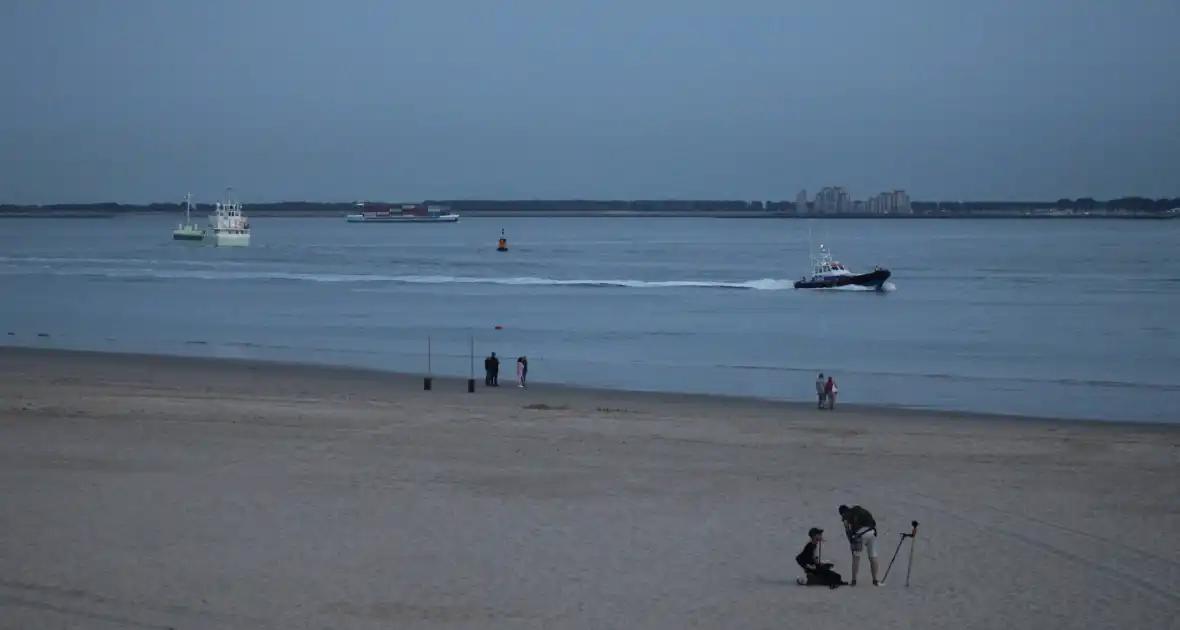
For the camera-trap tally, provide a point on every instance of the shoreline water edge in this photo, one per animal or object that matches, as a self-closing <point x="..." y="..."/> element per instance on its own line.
<point x="404" y="381"/>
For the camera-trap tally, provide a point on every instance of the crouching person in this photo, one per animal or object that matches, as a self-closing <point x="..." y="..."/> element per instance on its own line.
<point x="818" y="573"/>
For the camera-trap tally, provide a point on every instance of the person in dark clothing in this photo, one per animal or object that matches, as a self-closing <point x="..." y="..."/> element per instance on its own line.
<point x="491" y="368"/>
<point x="861" y="529"/>
<point x="818" y="572"/>
<point x="820" y="390"/>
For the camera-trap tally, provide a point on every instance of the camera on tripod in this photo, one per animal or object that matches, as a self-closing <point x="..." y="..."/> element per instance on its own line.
<point x="912" y="533"/>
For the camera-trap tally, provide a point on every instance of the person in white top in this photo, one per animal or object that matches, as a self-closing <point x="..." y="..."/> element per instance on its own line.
<point x="522" y="370"/>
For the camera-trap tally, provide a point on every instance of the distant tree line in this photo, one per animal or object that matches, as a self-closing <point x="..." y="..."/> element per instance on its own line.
<point x="1136" y="204"/>
<point x="1143" y="204"/>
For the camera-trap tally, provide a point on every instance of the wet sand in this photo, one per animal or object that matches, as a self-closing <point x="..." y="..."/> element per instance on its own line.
<point x="162" y="492"/>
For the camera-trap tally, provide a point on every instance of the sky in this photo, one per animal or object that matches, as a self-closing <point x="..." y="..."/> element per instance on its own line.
<point x="139" y="101"/>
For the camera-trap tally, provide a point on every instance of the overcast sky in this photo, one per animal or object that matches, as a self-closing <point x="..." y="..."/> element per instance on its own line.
<point x="145" y="100"/>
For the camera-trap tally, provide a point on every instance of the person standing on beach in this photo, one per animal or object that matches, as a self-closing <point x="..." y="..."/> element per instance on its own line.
<point x="494" y="370"/>
<point x="522" y="370"/>
<point x="487" y="371"/>
<point x="830" y="393"/>
<point x="861" y="529"/>
<point x="820" y="390"/>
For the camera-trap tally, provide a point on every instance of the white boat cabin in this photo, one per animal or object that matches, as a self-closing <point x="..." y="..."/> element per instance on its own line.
<point x="824" y="267"/>
<point x="227" y="218"/>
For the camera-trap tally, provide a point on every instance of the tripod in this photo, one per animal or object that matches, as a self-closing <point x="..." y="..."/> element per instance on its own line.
<point x="913" y="533"/>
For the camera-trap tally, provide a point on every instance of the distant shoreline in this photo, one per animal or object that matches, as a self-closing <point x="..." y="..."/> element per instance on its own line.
<point x="612" y="214"/>
<point x="1082" y="208"/>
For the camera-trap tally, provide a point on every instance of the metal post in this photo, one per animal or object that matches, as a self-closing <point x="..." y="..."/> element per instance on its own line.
<point x="913" y="541"/>
<point x="471" y="376"/>
<point x="428" y="380"/>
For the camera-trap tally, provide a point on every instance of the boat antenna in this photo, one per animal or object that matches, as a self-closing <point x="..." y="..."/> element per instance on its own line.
<point x="810" y="247"/>
<point x="188" y="205"/>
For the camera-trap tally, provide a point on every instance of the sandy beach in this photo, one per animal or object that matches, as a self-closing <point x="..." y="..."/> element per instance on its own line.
<point x="161" y="492"/>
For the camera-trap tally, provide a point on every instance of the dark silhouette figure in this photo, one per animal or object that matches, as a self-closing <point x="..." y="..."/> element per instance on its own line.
<point x="491" y="368"/>
<point x="821" y="390"/>
<point x="817" y="571"/>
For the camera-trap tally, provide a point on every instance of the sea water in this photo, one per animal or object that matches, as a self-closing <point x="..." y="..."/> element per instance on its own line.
<point x="1072" y="318"/>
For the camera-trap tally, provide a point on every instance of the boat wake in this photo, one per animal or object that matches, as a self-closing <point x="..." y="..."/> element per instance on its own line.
<point x="888" y="287"/>
<point x="764" y="284"/>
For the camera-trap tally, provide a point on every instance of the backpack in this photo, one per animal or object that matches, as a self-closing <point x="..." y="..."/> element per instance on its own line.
<point x="859" y="518"/>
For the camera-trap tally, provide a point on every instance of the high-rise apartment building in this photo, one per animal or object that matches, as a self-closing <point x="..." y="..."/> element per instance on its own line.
<point x="832" y="199"/>
<point x="890" y="202"/>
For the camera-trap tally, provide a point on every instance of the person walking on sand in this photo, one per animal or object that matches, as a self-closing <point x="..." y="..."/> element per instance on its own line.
<point x="830" y="392"/>
<point x="861" y="529"/>
<point x="495" y="370"/>
<point x="820" y="389"/>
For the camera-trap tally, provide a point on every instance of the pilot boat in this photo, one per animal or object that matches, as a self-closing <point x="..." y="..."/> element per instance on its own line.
<point x="827" y="273"/>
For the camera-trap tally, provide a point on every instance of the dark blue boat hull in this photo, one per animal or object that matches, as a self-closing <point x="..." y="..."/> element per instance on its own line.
<point x="874" y="279"/>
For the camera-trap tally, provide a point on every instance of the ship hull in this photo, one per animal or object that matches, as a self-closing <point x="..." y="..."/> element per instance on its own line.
<point x="179" y="235"/>
<point x="874" y="280"/>
<point x="360" y="218"/>
<point x="229" y="240"/>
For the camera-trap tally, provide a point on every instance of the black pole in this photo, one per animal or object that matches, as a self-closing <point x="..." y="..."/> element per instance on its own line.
<point x="913" y="537"/>
<point x="895" y="551"/>
<point x="428" y="381"/>
<point x="471" y="375"/>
